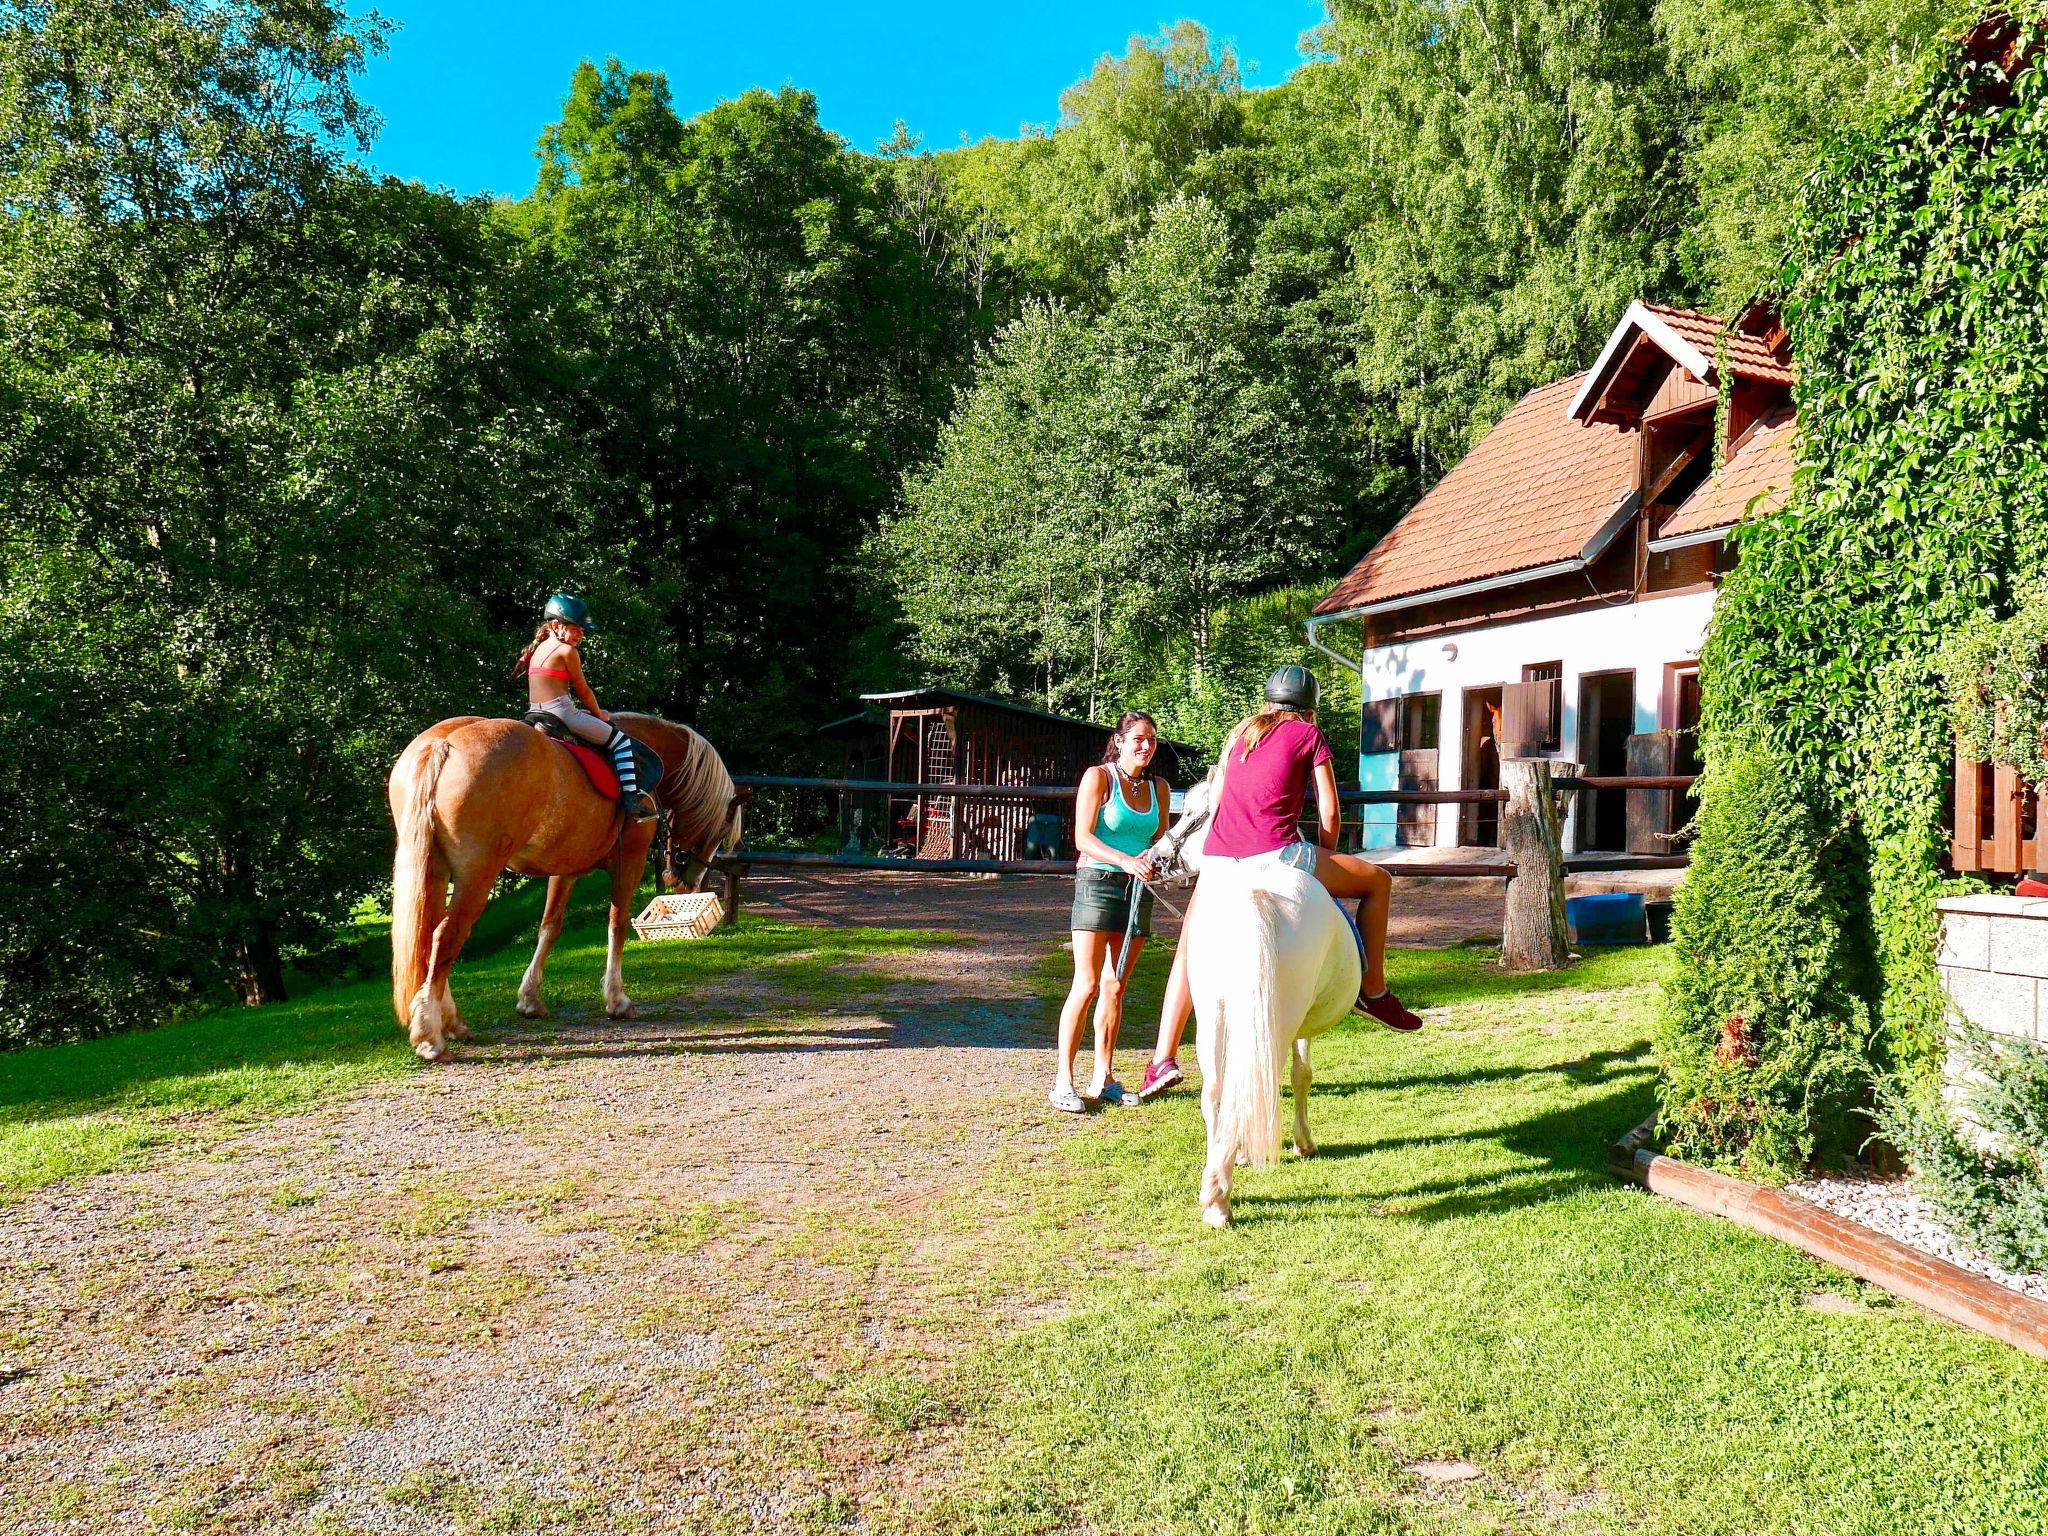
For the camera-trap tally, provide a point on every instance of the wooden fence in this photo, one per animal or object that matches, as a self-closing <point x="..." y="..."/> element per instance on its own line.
<point x="1532" y="817"/>
<point x="1997" y="824"/>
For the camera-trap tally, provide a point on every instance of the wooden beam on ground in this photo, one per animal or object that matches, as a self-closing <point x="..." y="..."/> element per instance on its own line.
<point x="1941" y="1287"/>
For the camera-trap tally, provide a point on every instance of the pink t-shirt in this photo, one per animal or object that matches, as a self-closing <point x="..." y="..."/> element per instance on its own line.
<point x="1263" y="793"/>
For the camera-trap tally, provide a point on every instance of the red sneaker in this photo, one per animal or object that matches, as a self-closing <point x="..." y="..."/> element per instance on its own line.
<point x="1388" y="1010"/>
<point x="1159" y="1076"/>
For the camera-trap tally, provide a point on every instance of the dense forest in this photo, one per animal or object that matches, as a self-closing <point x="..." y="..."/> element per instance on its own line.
<point x="290" y="454"/>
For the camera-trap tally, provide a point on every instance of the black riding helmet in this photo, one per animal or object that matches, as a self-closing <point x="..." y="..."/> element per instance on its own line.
<point x="1292" y="687"/>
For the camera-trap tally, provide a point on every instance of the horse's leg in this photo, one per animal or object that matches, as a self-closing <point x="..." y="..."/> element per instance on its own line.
<point x="530" y="1005"/>
<point x="1304" y="1144"/>
<point x="433" y="1011"/>
<point x="625" y="873"/>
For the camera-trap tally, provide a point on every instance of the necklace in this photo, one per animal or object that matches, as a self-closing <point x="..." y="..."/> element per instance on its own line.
<point x="1129" y="783"/>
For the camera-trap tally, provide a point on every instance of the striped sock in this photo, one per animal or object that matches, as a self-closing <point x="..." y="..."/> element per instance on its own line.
<point x="621" y="748"/>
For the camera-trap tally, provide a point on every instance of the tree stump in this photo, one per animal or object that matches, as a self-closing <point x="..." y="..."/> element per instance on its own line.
<point x="1532" y="832"/>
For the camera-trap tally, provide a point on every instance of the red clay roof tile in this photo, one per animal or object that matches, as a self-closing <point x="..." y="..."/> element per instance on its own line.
<point x="1747" y="354"/>
<point x="1760" y="467"/>
<point x="1533" y="491"/>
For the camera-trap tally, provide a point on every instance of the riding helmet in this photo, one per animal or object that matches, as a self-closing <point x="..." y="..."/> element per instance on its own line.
<point x="571" y="610"/>
<point x="1292" y="687"/>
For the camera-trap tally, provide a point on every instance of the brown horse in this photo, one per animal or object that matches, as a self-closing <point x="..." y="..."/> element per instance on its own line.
<point x="474" y="796"/>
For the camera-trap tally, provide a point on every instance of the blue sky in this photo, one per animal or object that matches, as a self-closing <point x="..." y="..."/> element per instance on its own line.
<point x="467" y="86"/>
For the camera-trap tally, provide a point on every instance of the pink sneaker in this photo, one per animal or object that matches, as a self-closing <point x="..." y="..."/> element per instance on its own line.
<point x="1159" y="1076"/>
<point x="1388" y="1010"/>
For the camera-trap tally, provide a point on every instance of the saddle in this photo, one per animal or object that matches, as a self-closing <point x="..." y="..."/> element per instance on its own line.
<point x="596" y="766"/>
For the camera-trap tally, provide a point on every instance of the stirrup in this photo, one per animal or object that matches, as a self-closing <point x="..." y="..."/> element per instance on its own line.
<point x="639" y="806"/>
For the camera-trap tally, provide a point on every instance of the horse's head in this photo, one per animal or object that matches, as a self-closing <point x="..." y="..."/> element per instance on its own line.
<point x="1180" y="847"/>
<point x="697" y="796"/>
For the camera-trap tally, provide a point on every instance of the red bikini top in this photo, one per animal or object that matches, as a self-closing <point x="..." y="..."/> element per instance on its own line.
<point x="544" y="672"/>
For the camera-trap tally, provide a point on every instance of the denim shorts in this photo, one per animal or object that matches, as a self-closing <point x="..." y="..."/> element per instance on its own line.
<point x="1102" y="903"/>
<point x="1296" y="855"/>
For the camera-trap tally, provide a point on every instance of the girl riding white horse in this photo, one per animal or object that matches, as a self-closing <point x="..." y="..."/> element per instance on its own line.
<point x="1271" y="959"/>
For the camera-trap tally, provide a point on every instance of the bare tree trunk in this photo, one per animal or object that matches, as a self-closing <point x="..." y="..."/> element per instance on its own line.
<point x="1095" y="662"/>
<point x="259" y="966"/>
<point x="1533" y="933"/>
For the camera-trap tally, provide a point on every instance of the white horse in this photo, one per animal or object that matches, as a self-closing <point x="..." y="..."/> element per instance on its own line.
<point x="1272" y="964"/>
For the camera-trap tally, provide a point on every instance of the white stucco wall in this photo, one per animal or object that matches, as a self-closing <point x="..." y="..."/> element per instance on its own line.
<point x="1644" y="635"/>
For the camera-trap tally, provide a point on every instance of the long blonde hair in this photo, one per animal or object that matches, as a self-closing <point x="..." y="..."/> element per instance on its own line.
<point x="1254" y="728"/>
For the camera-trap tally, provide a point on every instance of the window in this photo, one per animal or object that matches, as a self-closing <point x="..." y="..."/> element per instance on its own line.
<point x="1405" y="723"/>
<point x="1547" y="714"/>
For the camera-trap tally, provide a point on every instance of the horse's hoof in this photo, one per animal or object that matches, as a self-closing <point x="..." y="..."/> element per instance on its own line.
<point x="431" y="1050"/>
<point x="457" y="1030"/>
<point x="536" y="1009"/>
<point x="1240" y="1161"/>
<point x="1216" y="1215"/>
<point x="625" y="1010"/>
<point x="1304" y="1149"/>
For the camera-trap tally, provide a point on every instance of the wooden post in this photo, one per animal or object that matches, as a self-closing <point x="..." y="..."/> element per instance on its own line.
<point x="1533" y="934"/>
<point x="731" y="894"/>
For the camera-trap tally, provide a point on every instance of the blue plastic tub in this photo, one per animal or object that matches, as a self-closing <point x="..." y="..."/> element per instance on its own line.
<point x="1614" y="917"/>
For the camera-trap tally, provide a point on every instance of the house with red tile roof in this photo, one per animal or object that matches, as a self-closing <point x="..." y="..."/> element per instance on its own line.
<point x="1548" y="596"/>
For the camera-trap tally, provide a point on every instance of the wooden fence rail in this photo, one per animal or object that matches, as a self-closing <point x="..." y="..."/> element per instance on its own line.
<point x="1535" y="905"/>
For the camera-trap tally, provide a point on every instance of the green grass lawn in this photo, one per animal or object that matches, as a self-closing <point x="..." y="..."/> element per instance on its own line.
<point x="72" y="1110"/>
<point x="1456" y="1276"/>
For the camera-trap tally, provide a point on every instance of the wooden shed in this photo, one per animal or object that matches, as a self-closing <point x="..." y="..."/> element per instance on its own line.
<point x="938" y="736"/>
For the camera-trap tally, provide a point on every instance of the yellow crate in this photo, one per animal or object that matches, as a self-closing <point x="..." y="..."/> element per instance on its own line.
<point x="680" y="917"/>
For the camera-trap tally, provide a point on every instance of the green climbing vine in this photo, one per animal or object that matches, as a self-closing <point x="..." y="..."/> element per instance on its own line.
<point x="1916" y="294"/>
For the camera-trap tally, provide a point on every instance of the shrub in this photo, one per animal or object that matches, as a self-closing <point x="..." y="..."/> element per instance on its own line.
<point x="1997" y="676"/>
<point x="1763" y="1036"/>
<point x="1993" y="1192"/>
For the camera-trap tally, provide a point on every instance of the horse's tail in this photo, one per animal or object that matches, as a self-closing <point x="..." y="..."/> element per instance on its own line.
<point x="1249" y="1115"/>
<point x="412" y="910"/>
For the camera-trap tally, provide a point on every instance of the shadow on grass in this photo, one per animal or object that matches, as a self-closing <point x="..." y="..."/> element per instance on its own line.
<point x="285" y="1054"/>
<point x="1558" y="1152"/>
<point x="1585" y="1071"/>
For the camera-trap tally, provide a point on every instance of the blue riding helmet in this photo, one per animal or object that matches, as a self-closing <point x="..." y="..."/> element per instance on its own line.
<point x="571" y="610"/>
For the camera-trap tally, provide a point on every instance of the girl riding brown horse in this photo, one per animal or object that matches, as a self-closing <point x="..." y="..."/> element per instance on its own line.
<point x="472" y="797"/>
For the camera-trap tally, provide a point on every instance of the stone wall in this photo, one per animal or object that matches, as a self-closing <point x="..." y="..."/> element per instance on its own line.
<point x="1994" y="963"/>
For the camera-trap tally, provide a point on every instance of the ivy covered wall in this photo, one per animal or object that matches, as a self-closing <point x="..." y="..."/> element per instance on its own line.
<point x="1916" y="293"/>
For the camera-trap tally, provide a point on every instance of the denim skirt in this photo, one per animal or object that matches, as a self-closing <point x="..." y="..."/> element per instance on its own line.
<point x="1102" y="903"/>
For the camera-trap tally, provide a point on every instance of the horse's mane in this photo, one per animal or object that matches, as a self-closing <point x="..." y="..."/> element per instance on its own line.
<point x="695" y="789"/>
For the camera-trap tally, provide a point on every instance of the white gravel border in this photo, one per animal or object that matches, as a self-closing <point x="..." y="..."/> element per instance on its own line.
<point x="1891" y="1207"/>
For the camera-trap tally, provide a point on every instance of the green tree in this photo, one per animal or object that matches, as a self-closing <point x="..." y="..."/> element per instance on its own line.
<point x="1109" y="485"/>
<point x="758" y="350"/>
<point x="1135" y="131"/>
<point x="1771" y="82"/>
<point x="265" y="422"/>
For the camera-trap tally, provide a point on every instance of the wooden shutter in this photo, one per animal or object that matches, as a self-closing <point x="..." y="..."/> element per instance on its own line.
<point x="1380" y="727"/>
<point x="1528" y="718"/>
<point x="1416" y="824"/>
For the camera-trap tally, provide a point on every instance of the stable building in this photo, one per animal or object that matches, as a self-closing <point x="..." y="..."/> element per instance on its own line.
<point x="941" y="736"/>
<point x="1548" y="597"/>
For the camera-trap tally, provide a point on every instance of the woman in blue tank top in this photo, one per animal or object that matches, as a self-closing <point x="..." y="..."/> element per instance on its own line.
<point x="1119" y="813"/>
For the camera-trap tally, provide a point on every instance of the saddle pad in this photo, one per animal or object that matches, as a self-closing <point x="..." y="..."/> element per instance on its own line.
<point x="598" y="766"/>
